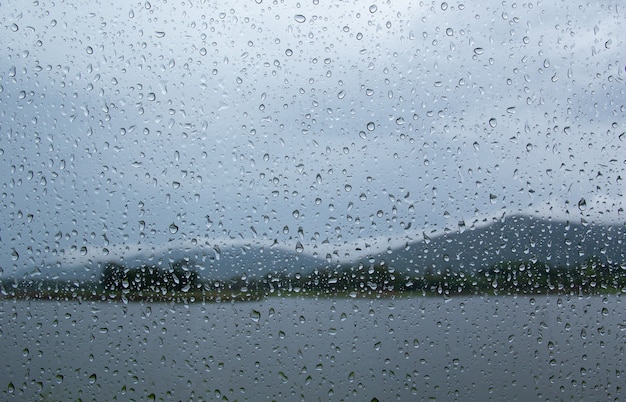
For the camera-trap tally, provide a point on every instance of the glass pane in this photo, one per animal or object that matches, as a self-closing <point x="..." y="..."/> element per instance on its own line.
<point x="312" y="200"/>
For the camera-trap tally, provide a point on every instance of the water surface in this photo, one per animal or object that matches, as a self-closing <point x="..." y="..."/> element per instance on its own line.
<point x="475" y="348"/>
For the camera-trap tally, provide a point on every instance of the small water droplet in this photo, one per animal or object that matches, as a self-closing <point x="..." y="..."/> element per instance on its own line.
<point x="479" y="51"/>
<point x="299" y="18"/>
<point x="493" y="122"/>
<point x="373" y="8"/>
<point x="289" y="52"/>
<point x="159" y="34"/>
<point x="582" y="204"/>
<point x="173" y="228"/>
<point x="371" y="126"/>
<point x="14" y="255"/>
<point x="255" y="315"/>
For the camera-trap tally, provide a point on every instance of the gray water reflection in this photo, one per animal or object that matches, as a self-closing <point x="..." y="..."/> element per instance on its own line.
<point x="290" y="349"/>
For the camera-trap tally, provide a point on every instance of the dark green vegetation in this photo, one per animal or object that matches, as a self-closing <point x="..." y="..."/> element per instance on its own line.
<point x="181" y="282"/>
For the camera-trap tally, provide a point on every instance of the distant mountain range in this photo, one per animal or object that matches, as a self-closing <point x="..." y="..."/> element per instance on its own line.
<point x="514" y="238"/>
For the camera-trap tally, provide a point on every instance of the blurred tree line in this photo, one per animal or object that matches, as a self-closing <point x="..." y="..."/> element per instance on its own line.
<point x="180" y="276"/>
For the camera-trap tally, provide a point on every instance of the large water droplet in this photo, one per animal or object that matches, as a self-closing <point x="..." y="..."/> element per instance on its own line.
<point x="299" y="18"/>
<point x="582" y="204"/>
<point x="173" y="228"/>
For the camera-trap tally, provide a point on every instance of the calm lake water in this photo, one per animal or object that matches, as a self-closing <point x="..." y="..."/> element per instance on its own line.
<point x="475" y="348"/>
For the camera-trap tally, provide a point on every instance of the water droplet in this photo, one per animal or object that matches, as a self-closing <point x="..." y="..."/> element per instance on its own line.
<point x="92" y="378"/>
<point x="159" y="34"/>
<point x="299" y="18"/>
<point x="449" y="31"/>
<point x="373" y="8"/>
<point x="14" y="255"/>
<point x="371" y="126"/>
<point x="289" y="52"/>
<point x="479" y="51"/>
<point x="173" y="228"/>
<point x="444" y="6"/>
<point x="255" y="315"/>
<point x="493" y="122"/>
<point x="582" y="204"/>
<point x="341" y="94"/>
<point x="283" y="376"/>
<point x="14" y="27"/>
<point x="299" y="247"/>
<point x="296" y="213"/>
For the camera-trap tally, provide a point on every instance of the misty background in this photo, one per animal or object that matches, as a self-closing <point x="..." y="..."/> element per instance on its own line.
<point x="317" y="128"/>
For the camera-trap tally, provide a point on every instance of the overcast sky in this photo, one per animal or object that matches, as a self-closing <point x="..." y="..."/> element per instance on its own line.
<point x="155" y="124"/>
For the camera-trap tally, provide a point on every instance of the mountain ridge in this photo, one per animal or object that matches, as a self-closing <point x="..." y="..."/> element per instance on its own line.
<point x="512" y="238"/>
